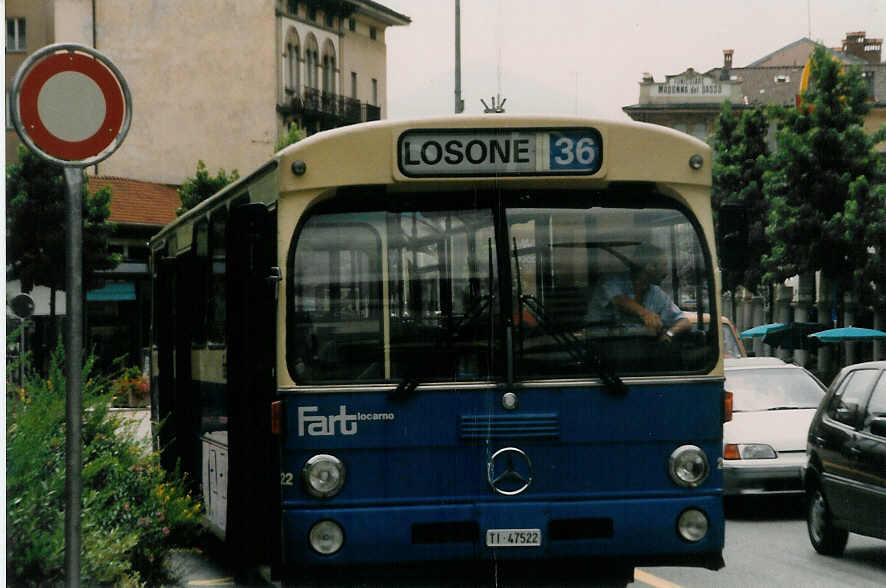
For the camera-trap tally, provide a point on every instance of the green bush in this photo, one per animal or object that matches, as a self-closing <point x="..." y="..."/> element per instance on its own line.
<point x="133" y="512"/>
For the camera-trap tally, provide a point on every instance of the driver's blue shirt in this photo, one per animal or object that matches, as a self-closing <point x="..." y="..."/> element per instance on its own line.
<point x="603" y="311"/>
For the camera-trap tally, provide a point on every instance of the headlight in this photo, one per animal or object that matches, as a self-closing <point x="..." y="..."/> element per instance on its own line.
<point x="324" y="475"/>
<point x="748" y="451"/>
<point x="326" y="537"/>
<point x="688" y="466"/>
<point x="692" y="525"/>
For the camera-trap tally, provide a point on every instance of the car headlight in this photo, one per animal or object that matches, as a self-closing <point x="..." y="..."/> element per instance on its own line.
<point x="748" y="451"/>
<point x="688" y="466"/>
<point x="324" y="475"/>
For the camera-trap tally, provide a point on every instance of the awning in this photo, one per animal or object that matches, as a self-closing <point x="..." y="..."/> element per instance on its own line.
<point x="113" y="292"/>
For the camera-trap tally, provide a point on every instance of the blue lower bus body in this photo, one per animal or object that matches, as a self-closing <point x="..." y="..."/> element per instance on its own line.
<point x="417" y="488"/>
<point x="642" y="530"/>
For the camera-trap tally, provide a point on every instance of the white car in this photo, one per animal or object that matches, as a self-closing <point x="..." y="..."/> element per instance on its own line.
<point x="764" y="445"/>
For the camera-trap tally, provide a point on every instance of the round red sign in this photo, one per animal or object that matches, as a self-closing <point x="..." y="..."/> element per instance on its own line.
<point x="71" y="106"/>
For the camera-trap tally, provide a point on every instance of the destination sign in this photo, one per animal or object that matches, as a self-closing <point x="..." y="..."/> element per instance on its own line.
<point x="499" y="152"/>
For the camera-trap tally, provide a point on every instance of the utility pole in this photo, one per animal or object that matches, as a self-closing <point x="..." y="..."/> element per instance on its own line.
<point x="459" y="103"/>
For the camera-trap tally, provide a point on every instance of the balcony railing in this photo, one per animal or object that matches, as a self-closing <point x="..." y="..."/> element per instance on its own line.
<point x="331" y="109"/>
<point x="372" y="112"/>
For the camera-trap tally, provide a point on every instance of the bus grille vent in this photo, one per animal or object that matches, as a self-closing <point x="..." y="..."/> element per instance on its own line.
<point x="498" y="426"/>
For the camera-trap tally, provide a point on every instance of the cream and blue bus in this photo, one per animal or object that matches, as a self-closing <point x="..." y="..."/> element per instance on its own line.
<point x="398" y="343"/>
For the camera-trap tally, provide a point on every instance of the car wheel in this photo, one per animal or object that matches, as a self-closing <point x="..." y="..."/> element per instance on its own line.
<point x="825" y="537"/>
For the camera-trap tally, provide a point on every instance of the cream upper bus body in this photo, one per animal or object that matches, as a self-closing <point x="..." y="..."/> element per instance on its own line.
<point x="371" y="154"/>
<point x="309" y="171"/>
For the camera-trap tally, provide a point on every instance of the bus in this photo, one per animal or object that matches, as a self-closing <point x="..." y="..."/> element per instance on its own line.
<point x="381" y="348"/>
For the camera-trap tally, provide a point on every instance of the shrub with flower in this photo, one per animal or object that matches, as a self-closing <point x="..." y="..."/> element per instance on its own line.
<point x="131" y="388"/>
<point x="133" y="511"/>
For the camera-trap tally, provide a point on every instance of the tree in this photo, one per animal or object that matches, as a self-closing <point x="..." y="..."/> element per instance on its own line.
<point x="35" y="226"/>
<point x="197" y="189"/>
<point x="293" y="135"/>
<point x="739" y="144"/>
<point x="826" y="185"/>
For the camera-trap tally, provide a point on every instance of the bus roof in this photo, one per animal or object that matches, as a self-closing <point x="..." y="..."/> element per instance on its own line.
<point x="623" y="144"/>
<point x="371" y="154"/>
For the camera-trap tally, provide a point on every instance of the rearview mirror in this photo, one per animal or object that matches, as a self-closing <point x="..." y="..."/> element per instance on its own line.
<point x="847" y="413"/>
<point x="878" y="427"/>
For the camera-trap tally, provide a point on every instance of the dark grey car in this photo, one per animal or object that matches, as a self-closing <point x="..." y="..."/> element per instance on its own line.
<point x="845" y="478"/>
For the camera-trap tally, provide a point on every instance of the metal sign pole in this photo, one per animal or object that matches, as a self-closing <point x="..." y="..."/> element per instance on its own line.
<point x="49" y="119"/>
<point x="73" y="370"/>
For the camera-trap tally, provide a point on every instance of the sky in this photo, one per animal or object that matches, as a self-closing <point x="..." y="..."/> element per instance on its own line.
<point x="587" y="57"/>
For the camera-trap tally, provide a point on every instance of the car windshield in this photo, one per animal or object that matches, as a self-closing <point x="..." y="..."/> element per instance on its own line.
<point x="730" y="343"/>
<point x="772" y="389"/>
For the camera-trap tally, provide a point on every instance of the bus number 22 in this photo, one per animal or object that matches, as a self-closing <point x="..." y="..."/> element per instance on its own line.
<point x="286" y="478"/>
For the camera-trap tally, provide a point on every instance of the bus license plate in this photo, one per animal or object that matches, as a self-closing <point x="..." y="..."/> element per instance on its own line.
<point x="513" y="538"/>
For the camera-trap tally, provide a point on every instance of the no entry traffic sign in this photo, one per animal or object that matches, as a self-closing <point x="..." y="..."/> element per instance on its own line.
<point x="71" y="105"/>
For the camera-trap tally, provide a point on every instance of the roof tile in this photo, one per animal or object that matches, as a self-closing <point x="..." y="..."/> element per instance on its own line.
<point x="137" y="202"/>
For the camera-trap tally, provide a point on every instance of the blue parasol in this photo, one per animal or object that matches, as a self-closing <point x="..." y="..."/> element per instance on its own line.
<point x="848" y="334"/>
<point x="763" y="330"/>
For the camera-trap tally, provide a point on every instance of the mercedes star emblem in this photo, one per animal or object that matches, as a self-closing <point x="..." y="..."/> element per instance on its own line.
<point x="509" y="471"/>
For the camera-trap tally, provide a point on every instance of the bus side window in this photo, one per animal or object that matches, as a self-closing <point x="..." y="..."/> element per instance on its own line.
<point x="215" y="300"/>
<point x="202" y="269"/>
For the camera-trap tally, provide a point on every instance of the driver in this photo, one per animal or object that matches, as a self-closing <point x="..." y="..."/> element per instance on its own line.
<point x="626" y="297"/>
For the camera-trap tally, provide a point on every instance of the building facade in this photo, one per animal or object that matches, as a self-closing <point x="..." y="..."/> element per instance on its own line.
<point x="690" y="101"/>
<point x="218" y="80"/>
<point x="213" y="80"/>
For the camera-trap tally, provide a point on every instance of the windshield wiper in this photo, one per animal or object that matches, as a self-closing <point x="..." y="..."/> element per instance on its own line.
<point x="584" y="353"/>
<point x="405" y="388"/>
<point x="789" y="407"/>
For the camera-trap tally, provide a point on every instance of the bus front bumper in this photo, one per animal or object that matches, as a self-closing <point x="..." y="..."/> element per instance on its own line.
<point x="641" y="531"/>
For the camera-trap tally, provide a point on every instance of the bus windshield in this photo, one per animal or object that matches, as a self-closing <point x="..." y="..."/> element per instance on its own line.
<point x="487" y="286"/>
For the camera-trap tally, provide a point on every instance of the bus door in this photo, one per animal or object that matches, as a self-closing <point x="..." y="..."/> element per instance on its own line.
<point x="176" y="401"/>
<point x="253" y="495"/>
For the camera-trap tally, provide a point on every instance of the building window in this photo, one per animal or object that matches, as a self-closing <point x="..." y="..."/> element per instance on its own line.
<point x="700" y="131"/>
<point x="330" y="20"/>
<point x="354" y="85"/>
<point x="372" y="33"/>
<point x="138" y="253"/>
<point x="374" y="92"/>
<point x="312" y="69"/>
<point x="352" y="25"/>
<point x="292" y="6"/>
<point x="291" y="66"/>
<point x="15" y="34"/>
<point x="868" y="77"/>
<point x="312" y="13"/>
<point x="329" y="74"/>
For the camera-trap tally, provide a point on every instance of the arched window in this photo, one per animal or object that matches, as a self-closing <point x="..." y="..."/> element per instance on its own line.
<point x="312" y="62"/>
<point x="329" y="68"/>
<point x="292" y="58"/>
